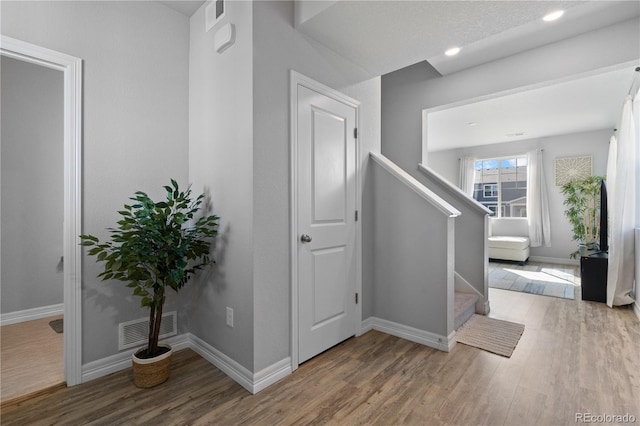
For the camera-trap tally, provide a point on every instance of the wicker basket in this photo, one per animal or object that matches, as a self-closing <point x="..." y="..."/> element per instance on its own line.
<point x="152" y="371"/>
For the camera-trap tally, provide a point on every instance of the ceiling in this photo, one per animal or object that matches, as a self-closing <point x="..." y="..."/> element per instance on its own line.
<point x="589" y="103"/>
<point x="185" y="7"/>
<point x="383" y="36"/>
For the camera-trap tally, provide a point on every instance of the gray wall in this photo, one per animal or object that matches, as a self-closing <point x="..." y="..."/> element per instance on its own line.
<point x="407" y="92"/>
<point x="278" y="48"/>
<point x="404" y="93"/>
<point x="32" y="185"/>
<point x="135" y="106"/>
<point x="239" y="152"/>
<point x="221" y="162"/>
<point x="136" y="127"/>
<point x="410" y="285"/>
<point x="595" y="144"/>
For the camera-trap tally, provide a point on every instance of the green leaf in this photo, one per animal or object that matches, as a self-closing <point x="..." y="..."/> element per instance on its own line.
<point x="150" y="248"/>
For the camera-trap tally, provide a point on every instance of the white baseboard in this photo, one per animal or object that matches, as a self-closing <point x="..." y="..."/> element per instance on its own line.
<point x="273" y="373"/>
<point x="252" y="382"/>
<point x="31" y="314"/>
<point x="555" y="260"/>
<point x="366" y="326"/>
<point x="230" y="367"/>
<point x="436" y="341"/>
<point x="121" y="361"/>
<point x="461" y="284"/>
<point x="486" y="308"/>
<point x="105" y="366"/>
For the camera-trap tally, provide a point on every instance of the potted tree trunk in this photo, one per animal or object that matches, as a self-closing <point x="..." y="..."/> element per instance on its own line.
<point x="582" y="199"/>
<point x="155" y="247"/>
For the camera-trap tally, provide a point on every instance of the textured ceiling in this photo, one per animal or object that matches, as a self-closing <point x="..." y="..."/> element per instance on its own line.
<point x="383" y="36"/>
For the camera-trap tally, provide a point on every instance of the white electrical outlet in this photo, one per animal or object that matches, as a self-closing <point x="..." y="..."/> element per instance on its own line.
<point x="229" y="316"/>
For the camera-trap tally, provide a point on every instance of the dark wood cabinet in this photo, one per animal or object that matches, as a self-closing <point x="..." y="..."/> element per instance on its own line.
<point x="593" y="273"/>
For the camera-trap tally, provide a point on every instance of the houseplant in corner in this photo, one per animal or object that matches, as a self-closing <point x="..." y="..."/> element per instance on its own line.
<point x="155" y="247"/>
<point x="582" y="199"/>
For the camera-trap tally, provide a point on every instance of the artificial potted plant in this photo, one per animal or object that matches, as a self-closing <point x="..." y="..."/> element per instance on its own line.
<point x="156" y="245"/>
<point x="582" y="199"/>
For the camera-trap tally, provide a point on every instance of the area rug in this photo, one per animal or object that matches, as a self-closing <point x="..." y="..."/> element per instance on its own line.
<point x="490" y="334"/>
<point x="535" y="279"/>
<point x="57" y="325"/>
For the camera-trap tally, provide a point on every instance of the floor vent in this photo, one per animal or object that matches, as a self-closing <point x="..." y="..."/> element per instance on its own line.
<point x="136" y="333"/>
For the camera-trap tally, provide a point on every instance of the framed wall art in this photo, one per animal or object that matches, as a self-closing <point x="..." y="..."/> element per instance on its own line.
<point x="571" y="168"/>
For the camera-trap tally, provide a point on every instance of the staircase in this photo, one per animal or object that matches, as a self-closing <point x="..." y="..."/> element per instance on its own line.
<point x="464" y="307"/>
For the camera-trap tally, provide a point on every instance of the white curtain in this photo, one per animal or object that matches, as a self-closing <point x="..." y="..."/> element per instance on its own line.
<point x="467" y="175"/>
<point x="621" y="192"/>
<point x="537" y="202"/>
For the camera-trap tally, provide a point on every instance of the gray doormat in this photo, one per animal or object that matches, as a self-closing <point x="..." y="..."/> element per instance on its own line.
<point x="57" y="325"/>
<point x="492" y="335"/>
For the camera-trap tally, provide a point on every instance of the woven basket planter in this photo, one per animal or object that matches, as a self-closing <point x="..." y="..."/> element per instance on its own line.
<point x="151" y="371"/>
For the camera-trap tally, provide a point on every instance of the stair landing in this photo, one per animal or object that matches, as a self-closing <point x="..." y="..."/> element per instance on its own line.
<point x="464" y="307"/>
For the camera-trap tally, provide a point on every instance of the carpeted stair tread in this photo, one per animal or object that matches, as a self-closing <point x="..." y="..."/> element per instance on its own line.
<point x="464" y="307"/>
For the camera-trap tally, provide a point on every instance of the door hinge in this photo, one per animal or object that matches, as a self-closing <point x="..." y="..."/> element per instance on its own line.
<point x="355" y="133"/>
<point x="356" y="298"/>
<point x="356" y="215"/>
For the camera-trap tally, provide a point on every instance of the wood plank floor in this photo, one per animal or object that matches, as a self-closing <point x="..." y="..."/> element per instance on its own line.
<point x="573" y="357"/>
<point x="31" y="358"/>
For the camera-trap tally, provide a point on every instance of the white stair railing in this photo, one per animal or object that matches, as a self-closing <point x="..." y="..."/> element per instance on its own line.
<point x="414" y="257"/>
<point x="472" y="274"/>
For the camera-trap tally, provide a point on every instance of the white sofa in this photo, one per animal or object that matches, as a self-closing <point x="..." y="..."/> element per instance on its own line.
<point x="508" y="239"/>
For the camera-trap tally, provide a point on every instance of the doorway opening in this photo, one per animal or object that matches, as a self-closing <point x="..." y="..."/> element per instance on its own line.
<point x="66" y="259"/>
<point x="32" y="245"/>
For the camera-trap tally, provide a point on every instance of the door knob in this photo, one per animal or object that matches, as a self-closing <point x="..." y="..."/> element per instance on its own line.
<point x="305" y="238"/>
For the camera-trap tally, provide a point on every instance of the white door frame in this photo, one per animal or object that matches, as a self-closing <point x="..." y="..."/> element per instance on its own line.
<point x="297" y="79"/>
<point x="72" y="70"/>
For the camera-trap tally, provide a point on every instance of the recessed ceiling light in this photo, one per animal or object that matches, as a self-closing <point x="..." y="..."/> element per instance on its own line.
<point x="452" y="52"/>
<point x="472" y="123"/>
<point x="553" y="15"/>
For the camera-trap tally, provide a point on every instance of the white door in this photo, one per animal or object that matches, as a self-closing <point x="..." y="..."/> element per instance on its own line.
<point x="326" y="222"/>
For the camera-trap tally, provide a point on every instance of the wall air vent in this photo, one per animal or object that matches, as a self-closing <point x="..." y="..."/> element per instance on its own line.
<point x="136" y="333"/>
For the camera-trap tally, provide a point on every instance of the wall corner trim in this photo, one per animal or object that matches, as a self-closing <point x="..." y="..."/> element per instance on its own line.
<point x="366" y="326"/>
<point x="253" y="383"/>
<point x="436" y="341"/>
<point x="271" y="374"/>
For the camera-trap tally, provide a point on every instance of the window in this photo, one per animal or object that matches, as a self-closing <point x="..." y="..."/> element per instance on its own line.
<point x="500" y="184"/>
<point x="490" y="190"/>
